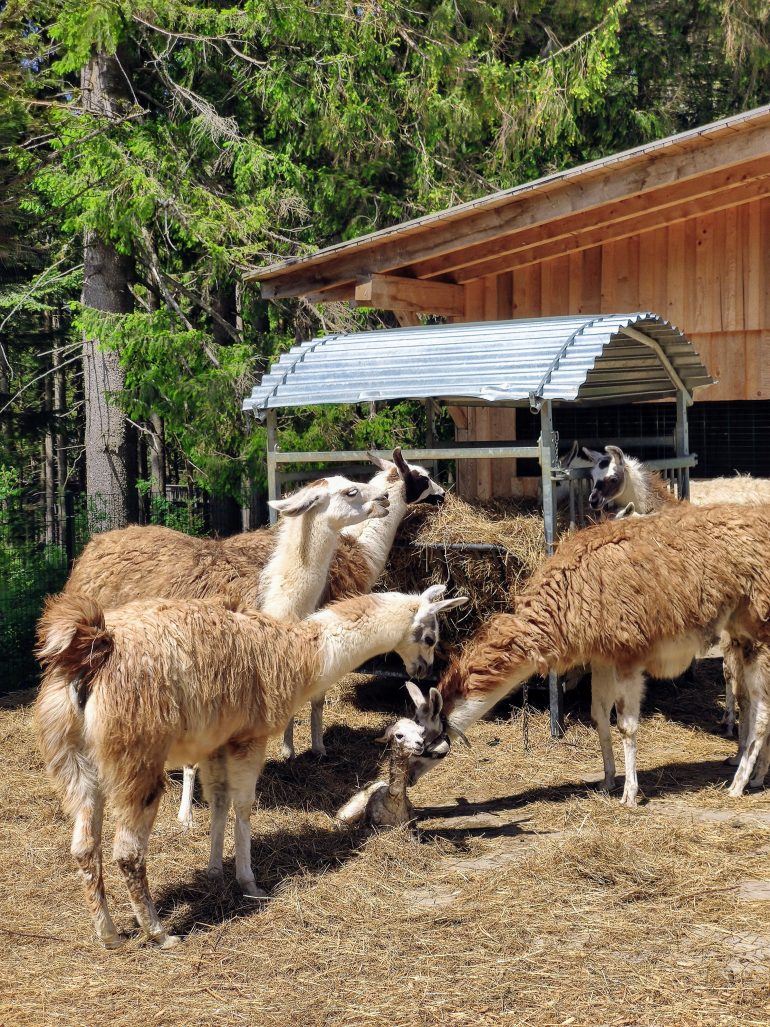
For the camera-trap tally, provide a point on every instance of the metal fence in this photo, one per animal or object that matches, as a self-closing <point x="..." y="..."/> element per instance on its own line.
<point x="37" y="548"/>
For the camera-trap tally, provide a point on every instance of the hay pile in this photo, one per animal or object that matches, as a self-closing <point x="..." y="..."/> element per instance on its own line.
<point x="431" y="548"/>
<point x="529" y="900"/>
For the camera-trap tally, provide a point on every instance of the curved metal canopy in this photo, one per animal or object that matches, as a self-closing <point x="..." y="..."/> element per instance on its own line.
<point x="579" y="358"/>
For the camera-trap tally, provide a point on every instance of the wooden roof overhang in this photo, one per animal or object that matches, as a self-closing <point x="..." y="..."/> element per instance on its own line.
<point x="423" y="265"/>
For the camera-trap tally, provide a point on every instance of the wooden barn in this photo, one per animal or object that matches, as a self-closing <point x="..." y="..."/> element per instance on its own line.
<point x="680" y="227"/>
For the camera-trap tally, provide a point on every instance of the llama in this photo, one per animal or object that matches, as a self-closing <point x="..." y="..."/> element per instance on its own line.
<point x="385" y="802"/>
<point x="629" y="597"/>
<point x="167" y="682"/>
<point x="619" y="479"/>
<point x="368" y="547"/>
<point x="117" y="567"/>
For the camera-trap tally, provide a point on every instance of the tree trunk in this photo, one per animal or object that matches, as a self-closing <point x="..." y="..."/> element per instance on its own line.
<point x="110" y="441"/>
<point x="158" y="456"/>
<point x="49" y="463"/>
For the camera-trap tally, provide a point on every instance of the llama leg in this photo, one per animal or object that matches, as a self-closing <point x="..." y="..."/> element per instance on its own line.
<point x="761" y="766"/>
<point x="602" y="699"/>
<point x="213" y="773"/>
<point x="628" y="702"/>
<point x="287" y="746"/>
<point x="131" y="837"/>
<point x="756" y="683"/>
<point x="317" y="727"/>
<point x="185" y="814"/>
<point x="744" y="720"/>
<point x="244" y="765"/>
<point x="729" y="715"/>
<point x="87" y="852"/>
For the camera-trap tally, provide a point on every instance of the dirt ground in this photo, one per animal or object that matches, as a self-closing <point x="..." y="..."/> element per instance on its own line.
<point x="528" y="897"/>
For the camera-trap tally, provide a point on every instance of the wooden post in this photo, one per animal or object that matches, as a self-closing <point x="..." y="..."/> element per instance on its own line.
<point x="272" y="478"/>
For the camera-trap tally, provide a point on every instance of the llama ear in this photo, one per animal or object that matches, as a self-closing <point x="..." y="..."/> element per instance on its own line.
<point x="615" y="451"/>
<point x="386" y="735"/>
<point x="432" y="594"/>
<point x="449" y="604"/>
<point x="592" y="455"/>
<point x="629" y="510"/>
<point x="401" y="464"/>
<point x="302" y="501"/>
<point x="416" y="695"/>
<point x="436" y="702"/>
<point x="569" y="459"/>
<point x="384" y="465"/>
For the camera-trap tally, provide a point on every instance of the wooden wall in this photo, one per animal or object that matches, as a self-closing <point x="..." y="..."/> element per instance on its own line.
<point x="709" y="275"/>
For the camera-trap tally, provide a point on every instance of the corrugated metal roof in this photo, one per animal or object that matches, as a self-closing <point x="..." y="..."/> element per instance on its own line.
<point x="577" y="358"/>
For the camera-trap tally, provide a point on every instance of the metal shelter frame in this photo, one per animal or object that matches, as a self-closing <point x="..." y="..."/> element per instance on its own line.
<point x="267" y="399"/>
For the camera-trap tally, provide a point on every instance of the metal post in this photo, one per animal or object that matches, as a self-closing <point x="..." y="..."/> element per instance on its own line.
<point x="272" y="478"/>
<point x="547" y="457"/>
<point x="682" y="441"/>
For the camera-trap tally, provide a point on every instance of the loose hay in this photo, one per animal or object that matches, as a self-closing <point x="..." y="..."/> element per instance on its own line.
<point x="530" y="899"/>
<point x="424" y="553"/>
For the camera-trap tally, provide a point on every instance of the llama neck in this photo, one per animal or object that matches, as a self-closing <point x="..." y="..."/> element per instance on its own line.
<point x="494" y="664"/>
<point x="295" y="576"/>
<point x="398" y="777"/>
<point x="642" y="487"/>
<point x="375" y="535"/>
<point x="353" y="631"/>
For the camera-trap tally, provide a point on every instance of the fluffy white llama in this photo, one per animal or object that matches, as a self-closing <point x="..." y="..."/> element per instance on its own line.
<point x="164" y="683"/>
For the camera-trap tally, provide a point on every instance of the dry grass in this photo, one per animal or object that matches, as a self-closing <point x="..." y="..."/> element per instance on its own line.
<point x="530" y="898"/>
<point x="424" y="553"/>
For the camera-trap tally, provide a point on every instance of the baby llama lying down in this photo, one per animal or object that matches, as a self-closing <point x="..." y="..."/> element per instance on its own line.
<point x="127" y="692"/>
<point x="385" y="802"/>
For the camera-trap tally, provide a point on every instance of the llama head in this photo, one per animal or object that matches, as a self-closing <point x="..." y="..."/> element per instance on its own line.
<point x="425" y="731"/>
<point x="340" y="501"/>
<point x="419" y="487"/>
<point x="419" y="644"/>
<point x="608" y="475"/>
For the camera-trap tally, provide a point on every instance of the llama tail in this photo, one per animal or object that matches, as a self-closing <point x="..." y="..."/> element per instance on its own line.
<point x="73" y="643"/>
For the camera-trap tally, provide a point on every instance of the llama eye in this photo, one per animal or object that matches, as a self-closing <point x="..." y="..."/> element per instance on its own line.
<point x="430" y="640"/>
<point x="351" y="492"/>
<point x="399" y="736"/>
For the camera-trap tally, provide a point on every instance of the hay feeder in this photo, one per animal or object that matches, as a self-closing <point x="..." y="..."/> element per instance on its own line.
<point x="534" y="363"/>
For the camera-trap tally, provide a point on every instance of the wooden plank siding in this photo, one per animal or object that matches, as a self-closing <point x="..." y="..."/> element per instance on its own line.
<point x="709" y="275"/>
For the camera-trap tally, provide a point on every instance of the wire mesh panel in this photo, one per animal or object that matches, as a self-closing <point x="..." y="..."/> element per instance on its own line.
<point x="36" y="552"/>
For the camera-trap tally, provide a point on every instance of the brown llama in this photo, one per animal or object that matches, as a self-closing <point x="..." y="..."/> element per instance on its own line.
<point x="160" y="683"/>
<point x="629" y="597"/>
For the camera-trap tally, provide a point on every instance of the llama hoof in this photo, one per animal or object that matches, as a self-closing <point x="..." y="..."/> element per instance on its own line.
<point x="732" y="761"/>
<point x="165" y="941"/>
<point x="735" y="792"/>
<point x="757" y="782"/>
<point x="251" y="890"/>
<point x="186" y="820"/>
<point x="215" y="875"/>
<point x="114" y="941"/>
<point x="608" y="784"/>
<point x="629" y="800"/>
<point x="319" y="753"/>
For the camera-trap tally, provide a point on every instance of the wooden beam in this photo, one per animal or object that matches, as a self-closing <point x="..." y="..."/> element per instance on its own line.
<point x="336" y="294"/>
<point x="628" y="207"/>
<point x="616" y="231"/>
<point x="543" y="203"/>
<point x="387" y="292"/>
